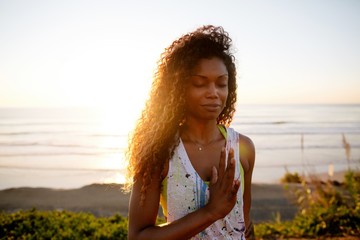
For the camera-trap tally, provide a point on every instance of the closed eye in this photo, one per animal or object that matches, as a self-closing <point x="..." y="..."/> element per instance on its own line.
<point x="198" y="85"/>
<point x="198" y="81"/>
<point x="222" y="81"/>
<point x="222" y="85"/>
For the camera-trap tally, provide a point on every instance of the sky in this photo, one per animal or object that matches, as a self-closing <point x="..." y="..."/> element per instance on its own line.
<point x="89" y="53"/>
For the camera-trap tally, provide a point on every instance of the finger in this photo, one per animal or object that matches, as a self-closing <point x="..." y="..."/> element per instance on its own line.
<point x="236" y="186"/>
<point x="214" y="175"/>
<point x="234" y="190"/>
<point x="222" y="163"/>
<point x="230" y="170"/>
<point x="231" y="154"/>
<point x="230" y="158"/>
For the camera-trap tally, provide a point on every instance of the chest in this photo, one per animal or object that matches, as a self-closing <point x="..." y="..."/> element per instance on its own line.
<point x="205" y="158"/>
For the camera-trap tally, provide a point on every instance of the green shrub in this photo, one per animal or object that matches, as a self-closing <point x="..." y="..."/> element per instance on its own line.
<point x="324" y="211"/>
<point x="35" y="224"/>
<point x="291" y="178"/>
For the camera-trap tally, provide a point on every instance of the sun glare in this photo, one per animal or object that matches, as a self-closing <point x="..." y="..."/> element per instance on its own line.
<point x="116" y="178"/>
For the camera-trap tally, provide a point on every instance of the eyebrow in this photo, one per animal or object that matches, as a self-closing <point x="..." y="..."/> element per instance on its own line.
<point x="198" y="75"/>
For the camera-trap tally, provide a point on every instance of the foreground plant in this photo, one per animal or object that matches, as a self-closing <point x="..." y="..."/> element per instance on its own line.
<point x="324" y="211"/>
<point x="35" y="224"/>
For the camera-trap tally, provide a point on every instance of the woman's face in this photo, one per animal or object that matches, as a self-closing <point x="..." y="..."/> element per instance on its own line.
<point x="207" y="89"/>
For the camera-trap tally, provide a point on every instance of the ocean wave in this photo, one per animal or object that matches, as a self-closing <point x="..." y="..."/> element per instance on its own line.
<point x="98" y="151"/>
<point x="254" y="121"/>
<point x="47" y="154"/>
<point x="279" y="122"/>
<point x="306" y="165"/>
<point x="274" y="165"/>
<point x="30" y="124"/>
<point x="275" y="148"/>
<point x="288" y="133"/>
<point x="35" y="133"/>
<point x="32" y="144"/>
<point x="60" y="168"/>
<point x="75" y="133"/>
<point x="247" y="130"/>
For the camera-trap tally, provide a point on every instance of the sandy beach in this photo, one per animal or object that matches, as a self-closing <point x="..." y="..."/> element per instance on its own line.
<point x="109" y="199"/>
<point x="269" y="201"/>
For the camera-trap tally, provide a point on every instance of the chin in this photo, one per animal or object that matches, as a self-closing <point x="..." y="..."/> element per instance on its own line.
<point x="211" y="117"/>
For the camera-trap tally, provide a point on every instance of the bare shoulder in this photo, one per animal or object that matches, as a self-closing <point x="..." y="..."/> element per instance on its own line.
<point x="246" y="143"/>
<point x="247" y="152"/>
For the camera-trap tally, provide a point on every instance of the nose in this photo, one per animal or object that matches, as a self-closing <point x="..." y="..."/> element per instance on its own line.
<point x="212" y="91"/>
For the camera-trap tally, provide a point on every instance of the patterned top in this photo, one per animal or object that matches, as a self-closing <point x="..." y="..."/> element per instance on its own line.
<point x="183" y="191"/>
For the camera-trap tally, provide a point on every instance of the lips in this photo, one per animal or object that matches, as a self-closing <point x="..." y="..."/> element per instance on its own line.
<point x="211" y="107"/>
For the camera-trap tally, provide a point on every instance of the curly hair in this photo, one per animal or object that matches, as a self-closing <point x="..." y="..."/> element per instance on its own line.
<point x="155" y="137"/>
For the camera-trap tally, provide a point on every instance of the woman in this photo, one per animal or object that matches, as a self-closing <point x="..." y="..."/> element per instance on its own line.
<point x="183" y="155"/>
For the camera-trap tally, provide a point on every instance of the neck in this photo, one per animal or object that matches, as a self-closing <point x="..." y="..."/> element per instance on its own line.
<point x="202" y="132"/>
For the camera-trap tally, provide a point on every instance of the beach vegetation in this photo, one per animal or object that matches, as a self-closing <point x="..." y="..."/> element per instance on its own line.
<point x="291" y="178"/>
<point x="34" y="224"/>
<point x="325" y="210"/>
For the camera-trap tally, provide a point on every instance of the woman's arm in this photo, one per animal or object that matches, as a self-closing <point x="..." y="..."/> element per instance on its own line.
<point x="142" y="218"/>
<point x="247" y="156"/>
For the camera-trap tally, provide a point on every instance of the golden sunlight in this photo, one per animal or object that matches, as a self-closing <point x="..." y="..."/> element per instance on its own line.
<point x="116" y="178"/>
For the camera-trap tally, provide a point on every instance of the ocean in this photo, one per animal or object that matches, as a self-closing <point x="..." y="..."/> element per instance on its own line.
<point x="72" y="147"/>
